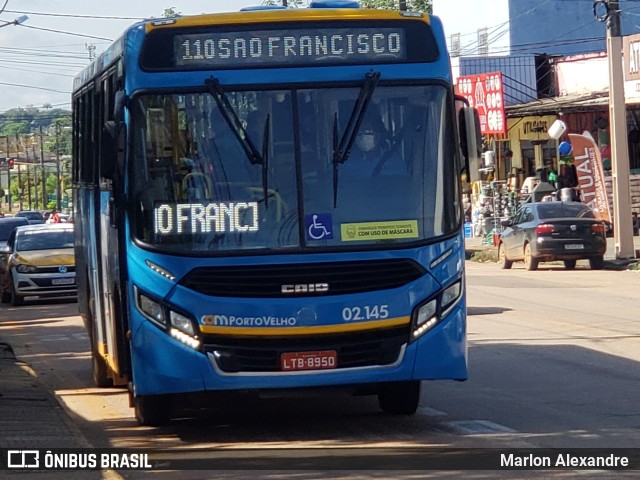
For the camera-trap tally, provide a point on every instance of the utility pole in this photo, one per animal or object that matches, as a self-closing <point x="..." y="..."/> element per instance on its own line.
<point x="21" y="207"/>
<point x="622" y="220"/>
<point x="35" y="177"/>
<point x="44" y="179"/>
<point x="91" y="48"/>
<point x="29" y="187"/>
<point x="58" y="179"/>
<point x="8" y="173"/>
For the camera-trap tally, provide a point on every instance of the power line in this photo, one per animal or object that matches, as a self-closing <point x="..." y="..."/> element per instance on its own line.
<point x="11" y="65"/>
<point x="62" y="115"/>
<point x="65" y="33"/>
<point x="64" y="66"/>
<point x="551" y="42"/>
<point x="10" y="53"/>
<point x="37" y="88"/>
<point x="69" y="15"/>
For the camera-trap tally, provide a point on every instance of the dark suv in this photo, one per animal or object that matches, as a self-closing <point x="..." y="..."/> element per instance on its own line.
<point x="32" y="216"/>
<point x="7" y="224"/>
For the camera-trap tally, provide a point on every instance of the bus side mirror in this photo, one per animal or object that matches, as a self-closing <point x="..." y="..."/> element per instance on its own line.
<point x="470" y="141"/>
<point x="120" y="101"/>
<point x="111" y="136"/>
<point x="108" y="149"/>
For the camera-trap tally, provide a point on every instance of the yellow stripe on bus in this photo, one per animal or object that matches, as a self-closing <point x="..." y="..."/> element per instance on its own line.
<point x="311" y="330"/>
<point x="268" y="16"/>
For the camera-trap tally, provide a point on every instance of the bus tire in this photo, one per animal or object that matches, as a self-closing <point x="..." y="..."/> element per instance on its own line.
<point x="399" y="398"/>
<point x="152" y="410"/>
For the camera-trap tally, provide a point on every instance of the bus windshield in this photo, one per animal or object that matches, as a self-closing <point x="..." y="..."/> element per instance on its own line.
<point x="199" y="189"/>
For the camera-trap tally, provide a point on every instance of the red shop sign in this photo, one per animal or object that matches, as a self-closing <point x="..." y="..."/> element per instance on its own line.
<point x="484" y="92"/>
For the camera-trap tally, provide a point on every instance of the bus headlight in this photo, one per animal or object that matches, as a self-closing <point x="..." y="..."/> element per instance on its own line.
<point x="182" y="323"/>
<point x="182" y="329"/>
<point x="430" y="313"/>
<point x="425" y="318"/>
<point x="177" y="325"/>
<point x="450" y="297"/>
<point x="152" y="310"/>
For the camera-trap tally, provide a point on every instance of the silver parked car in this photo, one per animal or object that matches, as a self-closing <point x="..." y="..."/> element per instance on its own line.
<point x="38" y="260"/>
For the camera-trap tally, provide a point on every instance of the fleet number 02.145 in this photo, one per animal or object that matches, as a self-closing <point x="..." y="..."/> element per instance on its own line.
<point x="366" y="312"/>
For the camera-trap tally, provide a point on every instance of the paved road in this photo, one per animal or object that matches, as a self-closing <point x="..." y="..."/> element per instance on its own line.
<point x="553" y="360"/>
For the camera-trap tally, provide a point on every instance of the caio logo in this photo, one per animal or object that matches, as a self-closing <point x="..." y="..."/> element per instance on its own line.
<point x="305" y="288"/>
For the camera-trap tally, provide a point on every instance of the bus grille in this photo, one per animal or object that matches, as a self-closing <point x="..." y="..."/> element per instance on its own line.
<point x="267" y="280"/>
<point x="357" y="349"/>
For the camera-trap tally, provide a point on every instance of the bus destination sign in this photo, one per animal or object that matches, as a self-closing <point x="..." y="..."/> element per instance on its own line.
<point x="307" y="46"/>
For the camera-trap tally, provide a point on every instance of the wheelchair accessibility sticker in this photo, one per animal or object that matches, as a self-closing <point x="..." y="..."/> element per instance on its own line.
<point x="318" y="226"/>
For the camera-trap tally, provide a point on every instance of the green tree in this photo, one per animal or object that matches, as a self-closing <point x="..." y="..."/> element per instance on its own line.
<point x="59" y="133"/>
<point x="411" y="5"/>
<point x="13" y="128"/>
<point x="287" y="3"/>
<point x="171" y="12"/>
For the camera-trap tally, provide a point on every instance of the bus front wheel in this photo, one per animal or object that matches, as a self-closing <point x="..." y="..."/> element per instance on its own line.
<point x="152" y="410"/>
<point x="399" y="398"/>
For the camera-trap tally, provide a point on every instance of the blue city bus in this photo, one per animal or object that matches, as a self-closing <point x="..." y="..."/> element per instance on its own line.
<point x="224" y="241"/>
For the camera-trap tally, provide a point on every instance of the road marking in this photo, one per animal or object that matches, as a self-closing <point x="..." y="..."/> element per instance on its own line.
<point x="430" y="412"/>
<point x="479" y="427"/>
<point x="62" y="337"/>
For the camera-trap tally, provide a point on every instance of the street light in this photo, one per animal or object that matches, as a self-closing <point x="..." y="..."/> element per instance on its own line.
<point x="21" y="19"/>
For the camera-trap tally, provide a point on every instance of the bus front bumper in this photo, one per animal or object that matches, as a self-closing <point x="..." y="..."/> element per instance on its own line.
<point x="173" y="367"/>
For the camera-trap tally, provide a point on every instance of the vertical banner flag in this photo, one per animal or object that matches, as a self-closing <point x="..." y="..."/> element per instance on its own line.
<point x="586" y="158"/>
<point x="484" y="93"/>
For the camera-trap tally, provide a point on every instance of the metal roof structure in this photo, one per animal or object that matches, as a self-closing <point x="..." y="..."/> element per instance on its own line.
<point x="581" y="102"/>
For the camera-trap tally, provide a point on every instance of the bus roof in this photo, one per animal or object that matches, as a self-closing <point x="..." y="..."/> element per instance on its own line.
<point x="243" y="18"/>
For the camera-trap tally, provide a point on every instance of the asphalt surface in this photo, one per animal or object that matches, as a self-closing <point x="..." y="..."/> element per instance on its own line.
<point x="31" y="417"/>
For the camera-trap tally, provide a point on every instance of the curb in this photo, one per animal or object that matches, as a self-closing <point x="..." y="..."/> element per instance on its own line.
<point x="489" y="254"/>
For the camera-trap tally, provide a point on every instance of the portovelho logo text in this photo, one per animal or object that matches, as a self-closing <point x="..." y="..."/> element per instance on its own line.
<point x="323" y="458"/>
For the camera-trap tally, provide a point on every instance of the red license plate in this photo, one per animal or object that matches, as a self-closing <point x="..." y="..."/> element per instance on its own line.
<point x="317" y="360"/>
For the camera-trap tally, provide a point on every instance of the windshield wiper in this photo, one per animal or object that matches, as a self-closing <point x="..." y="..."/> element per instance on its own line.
<point x="265" y="160"/>
<point x="240" y="132"/>
<point x="231" y="117"/>
<point x="342" y="148"/>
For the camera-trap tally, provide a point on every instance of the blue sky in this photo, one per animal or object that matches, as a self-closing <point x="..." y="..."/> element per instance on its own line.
<point x="39" y="59"/>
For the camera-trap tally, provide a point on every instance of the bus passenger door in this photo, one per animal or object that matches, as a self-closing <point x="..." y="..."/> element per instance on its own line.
<point x="109" y="303"/>
<point x="108" y="252"/>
